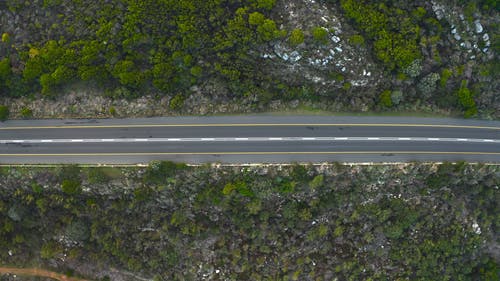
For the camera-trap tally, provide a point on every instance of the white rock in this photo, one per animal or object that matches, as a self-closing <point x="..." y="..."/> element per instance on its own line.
<point x="457" y="37"/>
<point x="335" y="39"/>
<point x="295" y="56"/>
<point x="479" y="27"/>
<point x="338" y="49"/>
<point x="476" y="228"/>
<point x="454" y="30"/>
<point x="332" y="52"/>
<point x="486" y="37"/>
<point x="324" y="19"/>
<point x="10" y="252"/>
<point x="343" y="69"/>
<point x="485" y="50"/>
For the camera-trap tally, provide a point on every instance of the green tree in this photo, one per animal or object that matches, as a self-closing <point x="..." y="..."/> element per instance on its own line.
<point x="296" y="37"/>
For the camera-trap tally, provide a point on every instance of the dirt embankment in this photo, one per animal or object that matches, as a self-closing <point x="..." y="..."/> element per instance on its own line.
<point x="38" y="272"/>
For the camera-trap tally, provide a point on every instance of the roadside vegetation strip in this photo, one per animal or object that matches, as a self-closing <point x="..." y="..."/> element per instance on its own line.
<point x="38" y="272"/>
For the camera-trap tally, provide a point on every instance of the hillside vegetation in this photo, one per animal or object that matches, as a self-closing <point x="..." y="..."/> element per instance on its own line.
<point x="172" y="222"/>
<point x="205" y="56"/>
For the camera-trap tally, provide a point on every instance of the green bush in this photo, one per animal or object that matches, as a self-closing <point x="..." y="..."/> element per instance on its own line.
<point x="296" y="37"/>
<point x="97" y="175"/>
<point x="5" y="37"/>
<point x="396" y="97"/>
<point x="414" y="69"/>
<point x="71" y="187"/>
<point x="177" y="102"/>
<point x="158" y="171"/>
<point x="445" y="75"/>
<point x="4" y="112"/>
<point x="357" y="40"/>
<point x="320" y="35"/>
<point x="385" y="98"/>
<point x="26" y="112"/>
<point x="427" y="85"/>
<point x="466" y="101"/>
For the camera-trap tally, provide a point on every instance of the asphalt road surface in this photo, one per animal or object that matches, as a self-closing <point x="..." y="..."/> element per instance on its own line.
<point x="249" y="139"/>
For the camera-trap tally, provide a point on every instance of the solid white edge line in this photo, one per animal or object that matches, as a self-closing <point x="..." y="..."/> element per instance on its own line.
<point x="45" y="140"/>
<point x="76" y="140"/>
<point x="275" y="139"/>
<point x="141" y="140"/>
<point x="207" y="139"/>
<point x="433" y="139"/>
<point x="488" y="140"/>
<point x="107" y="140"/>
<point x="241" y="139"/>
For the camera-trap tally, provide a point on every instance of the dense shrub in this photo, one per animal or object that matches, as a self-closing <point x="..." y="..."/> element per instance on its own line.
<point x="4" y="112"/>
<point x="296" y="37"/>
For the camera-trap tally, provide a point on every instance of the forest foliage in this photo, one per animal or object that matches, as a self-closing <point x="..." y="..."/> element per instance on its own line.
<point x="173" y="222"/>
<point x="164" y="45"/>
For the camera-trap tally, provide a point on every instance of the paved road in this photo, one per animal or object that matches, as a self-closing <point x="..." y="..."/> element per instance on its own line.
<point x="247" y="139"/>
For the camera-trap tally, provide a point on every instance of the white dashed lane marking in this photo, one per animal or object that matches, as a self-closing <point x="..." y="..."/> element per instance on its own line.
<point x="227" y="139"/>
